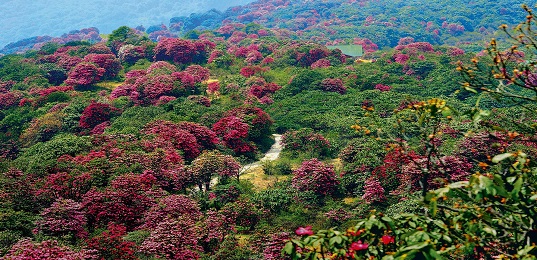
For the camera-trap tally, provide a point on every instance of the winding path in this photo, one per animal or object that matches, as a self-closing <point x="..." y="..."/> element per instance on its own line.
<point x="272" y="154"/>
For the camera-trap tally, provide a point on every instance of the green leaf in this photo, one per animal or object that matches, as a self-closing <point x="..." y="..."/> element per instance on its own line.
<point x="288" y="248"/>
<point x="336" y="239"/>
<point x="500" y="157"/>
<point x="433" y="254"/>
<point x="517" y="187"/>
<point x="433" y="206"/>
<point x="470" y="90"/>
<point x="490" y="231"/>
<point x="416" y="246"/>
<point x="526" y="250"/>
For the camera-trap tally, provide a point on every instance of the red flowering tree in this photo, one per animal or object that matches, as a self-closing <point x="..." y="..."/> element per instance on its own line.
<point x="108" y="62"/>
<point x="64" y="185"/>
<point x="84" y="74"/>
<point x="173" y="239"/>
<point x="63" y="217"/>
<point x="48" y="249"/>
<point x="333" y="85"/>
<point x="373" y="191"/>
<point x="260" y="88"/>
<point x="111" y="245"/>
<point x="97" y="113"/>
<point x="249" y="71"/>
<point x="172" y="207"/>
<point x="168" y="134"/>
<point x="124" y="201"/>
<point x="198" y="72"/>
<point x="233" y="132"/>
<point x="182" y="51"/>
<point x="315" y="176"/>
<point x="259" y="121"/>
<point x="130" y="54"/>
<point x="205" y="137"/>
<point x="10" y="99"/>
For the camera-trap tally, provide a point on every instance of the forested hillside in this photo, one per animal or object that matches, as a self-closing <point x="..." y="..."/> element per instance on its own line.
<point x="376" y="23"/>
<point x="131" y="146"/>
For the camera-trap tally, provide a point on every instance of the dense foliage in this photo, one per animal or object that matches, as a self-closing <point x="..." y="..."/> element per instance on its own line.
<point x="132" y="149"/>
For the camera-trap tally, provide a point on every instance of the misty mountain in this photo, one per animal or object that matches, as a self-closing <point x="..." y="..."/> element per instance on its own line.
<point x="27" y="18"/>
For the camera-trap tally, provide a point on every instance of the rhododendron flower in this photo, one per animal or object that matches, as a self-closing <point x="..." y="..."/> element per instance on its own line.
<point x="304" y="231"/>
<point x="358" y="246"/>
<point x="387" y="239"/>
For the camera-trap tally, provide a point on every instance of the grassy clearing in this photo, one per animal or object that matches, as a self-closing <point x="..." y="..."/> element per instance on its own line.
<point x="260" y="180"/>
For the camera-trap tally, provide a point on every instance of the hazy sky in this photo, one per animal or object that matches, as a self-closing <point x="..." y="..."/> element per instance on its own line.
<point x="26" y="18"/>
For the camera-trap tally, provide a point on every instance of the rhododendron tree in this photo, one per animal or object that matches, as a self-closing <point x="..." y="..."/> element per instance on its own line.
<point x="10" y="99"/>
<point x="172" y="207"/>
<point x="130" y="54"/>
<point x="214" y="229"/>
<point x="124" y="201"/>
<point x="333" y="85"/>
<point x="63" y="217"/>
<point x="274" y="246"/>
<point x="315" y="176"/>
<point x="173" y="239"/>
<point x="322" y="63"/>
<point x="233" y="132"/>
<point x="48" y="249"/>
<point x="97" y="113"/>
<point x="242" y="213"/>
<point x="84" y="74"/>
<point x="111" y="245"/>
<point x="199" y="73"/>
<point x="259" y="121"/>
<point x="168" y="134"/>
<point x="108" y="62"/>
<point x="205" y="137"/>
<point x="249" y="71"/>
<point x="182" y="51"/>
<point x="63" y="185"/>
<point x="373" y="191"/>
<point x="382" y="88"/>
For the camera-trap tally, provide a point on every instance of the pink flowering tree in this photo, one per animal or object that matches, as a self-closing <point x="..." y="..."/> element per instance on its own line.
<point x="170" y="135"/>
<point x="316" y="177"/>
<point x="205" y="137"/>
<point x="48" y="249"/>
<point x="124" y="202"/>
<point x="108" y="62"/>
<point x="173" y="239"/>
<point x="172" y="207"/>
<point x="373" y="191"/>
<point x="63" y="217"/>
<point x="111" y="244"/>
<point x="97" y="113"/>
<point x="84" y="74"/>
<point x="233" y="132"/>
<point x="333" y="85"/>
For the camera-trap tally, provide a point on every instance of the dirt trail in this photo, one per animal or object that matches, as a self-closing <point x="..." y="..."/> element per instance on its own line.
<point x="271" y="155"/>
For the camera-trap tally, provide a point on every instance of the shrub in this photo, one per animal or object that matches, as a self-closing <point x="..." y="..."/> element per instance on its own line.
<point x="315" y="176"/>
<point x="97" y="113"/>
